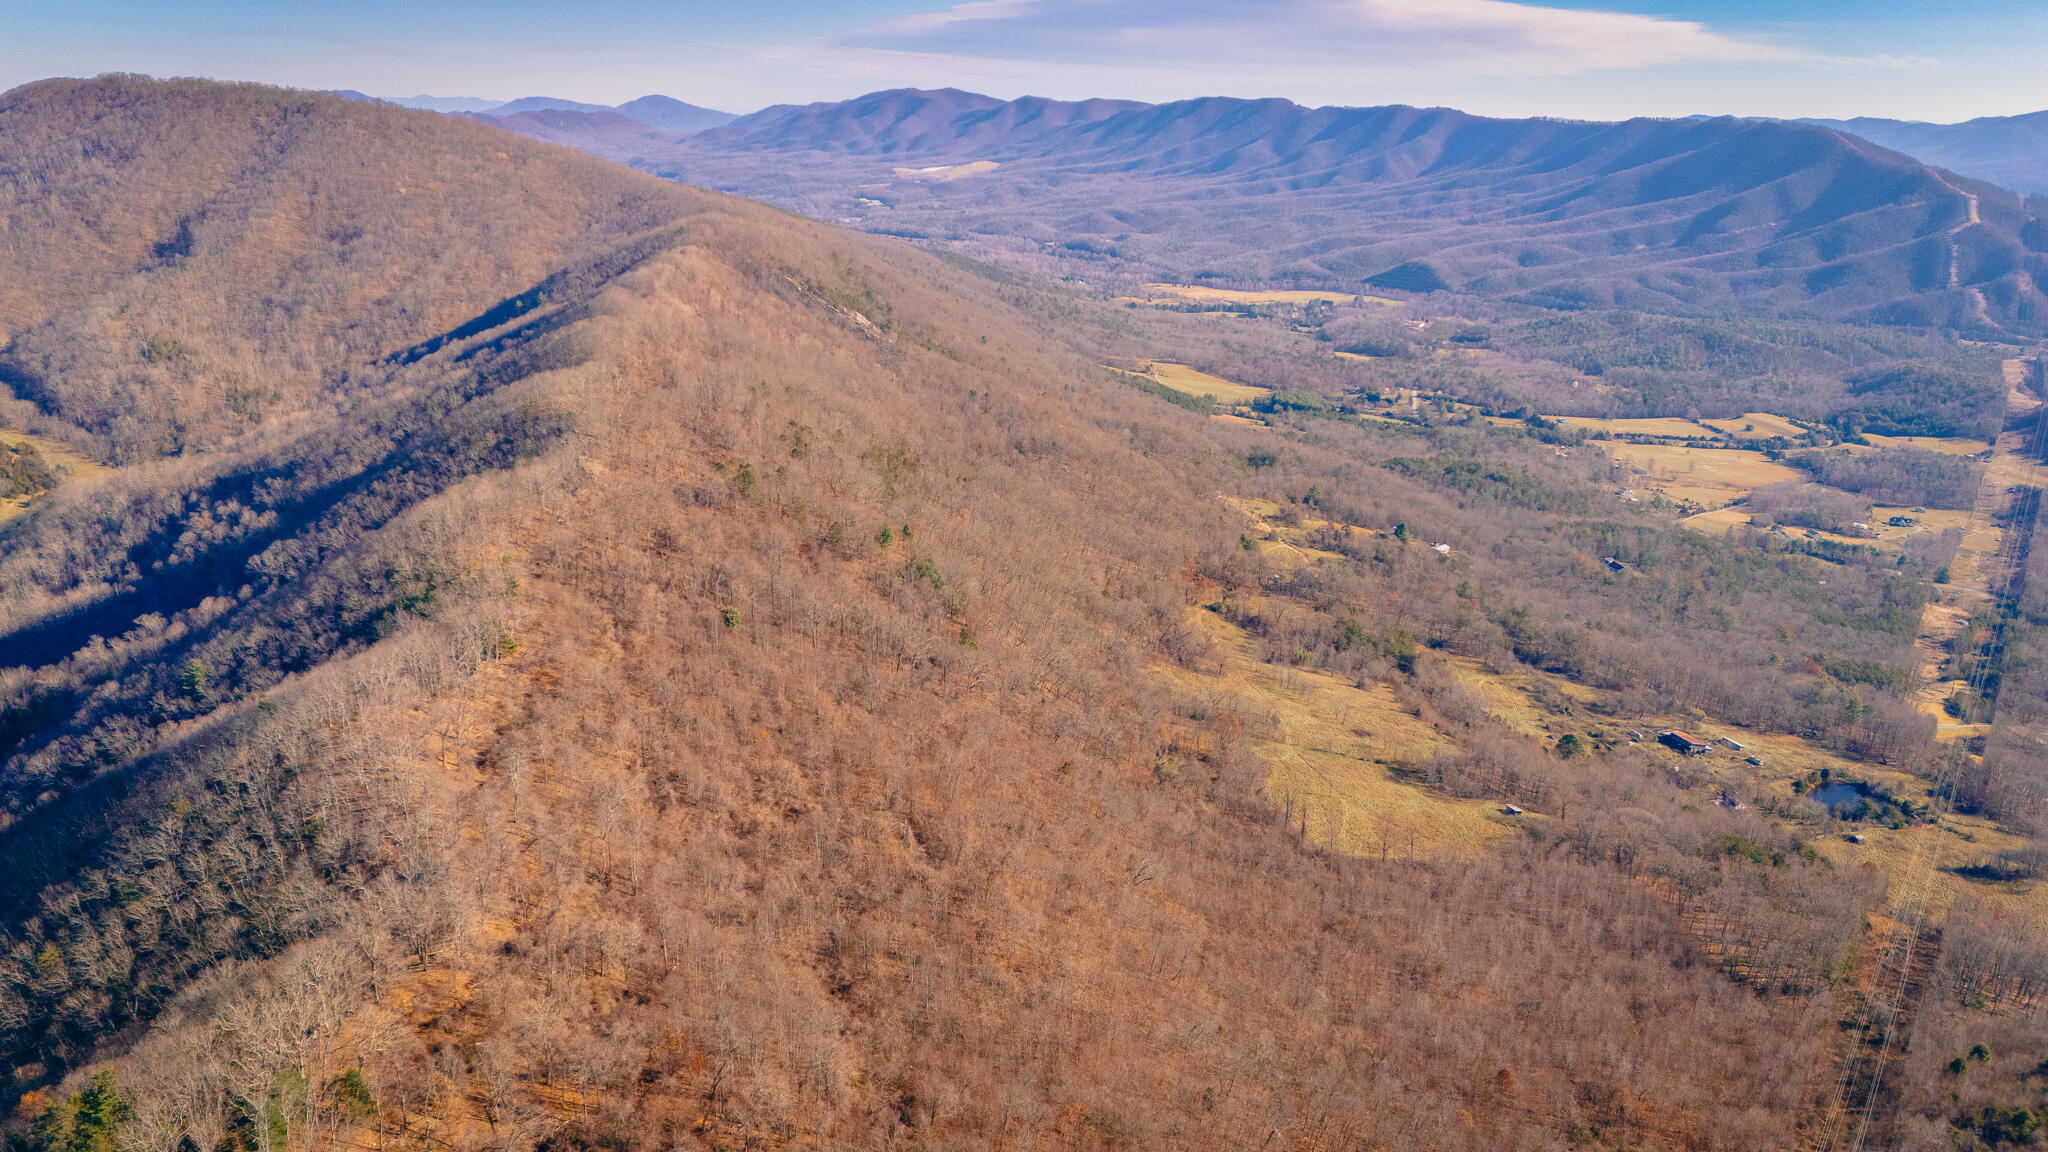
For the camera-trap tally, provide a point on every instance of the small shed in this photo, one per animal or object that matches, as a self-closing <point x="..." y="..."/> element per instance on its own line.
<point x="1683" y="744"/>
<point x="1613" y="564"/>
<point x="1729" y="743"/>
<point x="1511" y="810"/>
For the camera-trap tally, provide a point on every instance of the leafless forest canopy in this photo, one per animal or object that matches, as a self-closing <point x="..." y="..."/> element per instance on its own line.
<point x="567" y="660"/>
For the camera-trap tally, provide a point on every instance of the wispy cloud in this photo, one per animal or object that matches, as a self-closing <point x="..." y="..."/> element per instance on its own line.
<point x="1376" y="39"/>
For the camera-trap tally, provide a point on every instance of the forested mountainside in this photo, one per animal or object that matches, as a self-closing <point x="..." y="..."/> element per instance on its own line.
<point x="702" y="678"/>
<point x="2010" y="151"/>
<point x="1676" y="216"/>
<point x="176" y="271"/>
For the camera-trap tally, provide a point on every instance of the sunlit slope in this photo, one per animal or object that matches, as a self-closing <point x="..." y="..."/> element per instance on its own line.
<point x="749" y="685"/>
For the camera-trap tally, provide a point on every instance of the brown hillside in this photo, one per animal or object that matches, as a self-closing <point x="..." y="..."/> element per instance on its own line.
<point x="718" y="699"/>
<point x="183" y="257"/>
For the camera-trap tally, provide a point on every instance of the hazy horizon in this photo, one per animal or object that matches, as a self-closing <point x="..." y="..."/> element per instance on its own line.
<point x="1616" y="60"/>
<point x="434" y="102"/>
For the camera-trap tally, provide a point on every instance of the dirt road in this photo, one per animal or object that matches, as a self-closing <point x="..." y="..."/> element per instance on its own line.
<point x="1982" y="564"/>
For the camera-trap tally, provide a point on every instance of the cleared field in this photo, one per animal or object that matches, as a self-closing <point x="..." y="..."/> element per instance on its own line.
<point x="68" y="461"/>
<point x="1194" y="382"/>
<point x="1953" y="445"/>
<point x="1332" y="752"/>
<point x="1926" y="522"/>
<point x="944" y="173"/>
<point x="1712" y="477"/>
<point x="1278" y="539"/>
<point x="1234" y="296"/>
<point x="1931" y="522"/>
<point x="1670" y="427"/>
<point x="1756" y="424"/>
<point x="1718" y="521"/>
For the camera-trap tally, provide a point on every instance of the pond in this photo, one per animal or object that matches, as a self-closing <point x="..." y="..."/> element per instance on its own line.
<point x="1842" y="798"/>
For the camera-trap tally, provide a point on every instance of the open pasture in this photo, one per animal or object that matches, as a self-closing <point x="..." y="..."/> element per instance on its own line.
<point x="1952" y="445"/>
<point x="1756" y="425"/>
<point x="1194" y="382"/>
<point x="1713" y="477"/>
<point x="1330" y="750"/>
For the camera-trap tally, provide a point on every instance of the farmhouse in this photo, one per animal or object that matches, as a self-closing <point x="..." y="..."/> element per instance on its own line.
<point x="1681" y="743"/>
<point x="1902" y="522"/>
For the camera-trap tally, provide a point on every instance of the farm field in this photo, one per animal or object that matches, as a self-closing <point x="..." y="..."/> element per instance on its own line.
<point x="1194" y="382"/>
<point x="1752" y="425"/>
<point x="1199" y="293"/>
<point x="1952" y="445"/>
<point x="1710" y="477"/>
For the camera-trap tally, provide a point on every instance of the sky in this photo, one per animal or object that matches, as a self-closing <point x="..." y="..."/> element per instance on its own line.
<point x="1936" y="60"/>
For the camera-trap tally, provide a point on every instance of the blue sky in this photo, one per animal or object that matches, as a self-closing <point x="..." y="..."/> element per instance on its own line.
<point x="1912" y="59"/>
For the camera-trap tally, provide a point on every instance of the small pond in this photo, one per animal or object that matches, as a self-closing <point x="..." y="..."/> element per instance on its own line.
<point x="1842" y="798"/>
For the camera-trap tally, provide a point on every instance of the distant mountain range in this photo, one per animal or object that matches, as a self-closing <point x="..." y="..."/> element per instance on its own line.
<point x="1677" y="216"/>
<point x="2011" y="151"/>
<point x="591" y="127"/>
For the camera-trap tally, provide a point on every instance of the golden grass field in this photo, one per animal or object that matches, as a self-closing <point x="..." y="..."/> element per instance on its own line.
<point x="73" y="464"/>
<point x="1194" y="382"/>
<point x="1953" y="445"/>
<point x="946" y="173"/>
<point x="1233" y="296"/>
<point x="1712" y="477"/>
<point x="1331" y="756"/>
<point x="1752" y="425"/>
<point x="1283" y="547"/>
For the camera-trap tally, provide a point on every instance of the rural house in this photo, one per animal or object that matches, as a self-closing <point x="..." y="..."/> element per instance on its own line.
<point x="1681" y="743"/>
